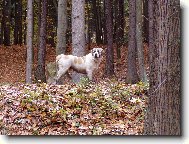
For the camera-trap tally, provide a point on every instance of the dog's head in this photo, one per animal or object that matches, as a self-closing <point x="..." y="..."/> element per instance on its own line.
<point x="97" y="52"/>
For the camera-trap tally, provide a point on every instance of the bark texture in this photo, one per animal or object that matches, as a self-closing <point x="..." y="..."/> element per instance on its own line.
<point x="78" y="32"/>
<point x="29" y="42"/>
<point x="145" y="21"/>
<point x="109" y="28"/>
<point x="18" y="22"/>
<point x="163" y="113"/>
<point x="119" y="26"/>
<point x="62" y="27"/>
<point x="132" y="76"/>
<point x="40" y="72"/>
<point x="6" y="22"/>
<point x="139" y="41"/>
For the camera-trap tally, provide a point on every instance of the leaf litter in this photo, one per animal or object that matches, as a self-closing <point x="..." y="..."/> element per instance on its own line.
<point x="83" y="109"/>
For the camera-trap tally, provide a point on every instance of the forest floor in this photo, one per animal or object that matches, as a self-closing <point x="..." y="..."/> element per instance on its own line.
<point x="108" y="106"/>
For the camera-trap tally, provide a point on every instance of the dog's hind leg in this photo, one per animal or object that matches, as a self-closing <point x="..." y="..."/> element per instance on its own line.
<point x="61" y="72"/>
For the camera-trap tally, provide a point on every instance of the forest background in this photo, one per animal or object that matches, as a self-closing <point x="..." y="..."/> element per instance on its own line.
<point x="128" y="89"/>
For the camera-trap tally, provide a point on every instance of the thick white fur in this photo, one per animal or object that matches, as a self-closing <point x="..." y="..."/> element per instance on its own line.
<point x="86" y="64"/>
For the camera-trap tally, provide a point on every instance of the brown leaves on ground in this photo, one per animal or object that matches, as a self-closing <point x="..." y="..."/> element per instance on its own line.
<point x="88" y="108"/>
<point x="13" y="62"/>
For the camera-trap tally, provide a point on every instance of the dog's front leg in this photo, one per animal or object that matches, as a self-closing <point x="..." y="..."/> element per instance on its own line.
<point x="90" y="74"/>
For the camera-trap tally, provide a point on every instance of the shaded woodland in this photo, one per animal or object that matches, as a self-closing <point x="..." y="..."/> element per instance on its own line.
<point x="136" y="89"/>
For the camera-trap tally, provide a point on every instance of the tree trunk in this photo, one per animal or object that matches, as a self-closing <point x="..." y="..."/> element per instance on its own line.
<point x="96" y="9"/>
<point x="78" y="32"/>
<point x="16" y="19"/>
<point x="163" y="113"/>
<point x="6" y="21"/>
<point x="40" y="72"/>
<point x="139" y="41"/>
<point x="119" y="32"/>
<point x="51" y="25"/>
<point x="69" y="23"/>
<point x="132" y="76"/>
<point x="1" y="24"/>
<point x="18" y="23"/>
<point x="145" y="21"/>
<point x="38" y="20"/>
<point x="87" y="31"/>
<point x="109" y="28"/>
<point x="62" y="27"/>
<point x="55" y="5"/>
<point x="25" y="25"/>
<point x="100" y="21"/>
<point x="29" y="42"/>
<point x="104" y="25"/>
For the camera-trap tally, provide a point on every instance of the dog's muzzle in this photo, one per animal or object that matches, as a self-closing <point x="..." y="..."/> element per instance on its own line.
<point x="96" y="55"/>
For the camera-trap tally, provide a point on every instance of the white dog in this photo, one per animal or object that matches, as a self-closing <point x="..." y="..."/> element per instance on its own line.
<point x="86" y="64"/>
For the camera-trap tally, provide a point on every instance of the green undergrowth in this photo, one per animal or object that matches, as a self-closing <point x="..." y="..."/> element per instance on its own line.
<point x="86" y="108"/>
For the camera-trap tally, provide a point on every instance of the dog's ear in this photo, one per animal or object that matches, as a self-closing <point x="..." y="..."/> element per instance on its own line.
<point x="102" y="50"/>
<point x="92" y="52"/>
